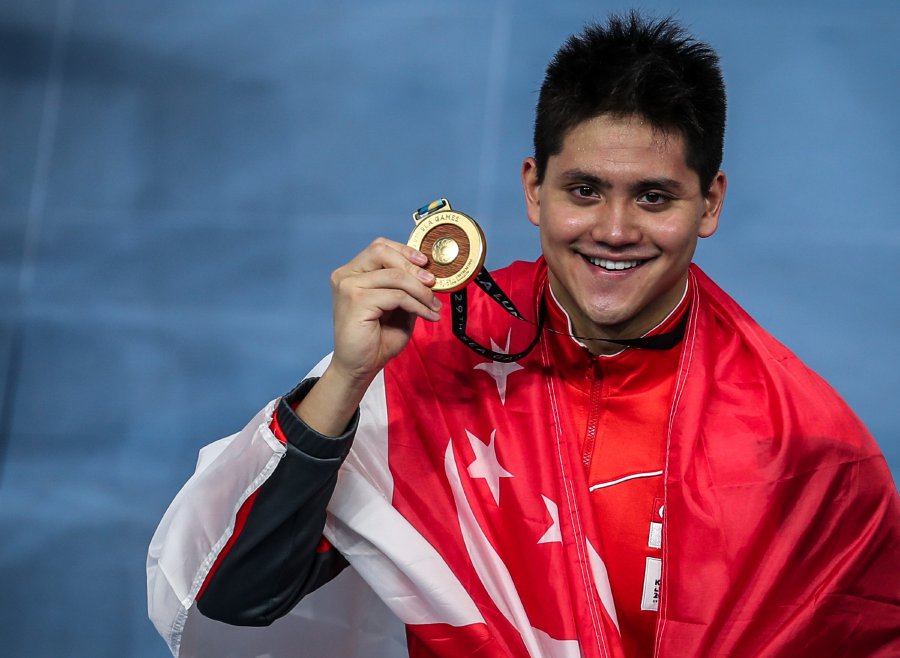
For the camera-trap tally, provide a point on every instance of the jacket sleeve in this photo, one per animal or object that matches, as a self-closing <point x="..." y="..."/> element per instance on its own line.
<point x="277" y="554"/>
<point x="243" y="537"/>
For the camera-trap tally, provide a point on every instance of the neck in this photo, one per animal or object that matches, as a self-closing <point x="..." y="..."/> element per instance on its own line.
<point x="595" y="338"/>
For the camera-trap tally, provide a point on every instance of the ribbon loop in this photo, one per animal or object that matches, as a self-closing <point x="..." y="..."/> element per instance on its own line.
<point x="460" y="312"/>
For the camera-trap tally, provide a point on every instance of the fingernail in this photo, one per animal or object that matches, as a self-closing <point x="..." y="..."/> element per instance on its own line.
<point x="420" y="258"/>
<point x="425" y="276"/>
<point x="436" y="304"/>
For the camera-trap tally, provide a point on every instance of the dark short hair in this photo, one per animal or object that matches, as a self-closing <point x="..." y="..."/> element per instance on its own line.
<point x="635" y="66"/>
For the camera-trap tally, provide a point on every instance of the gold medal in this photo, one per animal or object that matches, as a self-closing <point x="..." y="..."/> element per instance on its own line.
<point x="453" y="242"/>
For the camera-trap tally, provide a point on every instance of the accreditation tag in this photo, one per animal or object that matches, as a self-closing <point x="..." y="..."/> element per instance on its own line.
<point x="656" y="524"/>
<point x="652" y="578"/>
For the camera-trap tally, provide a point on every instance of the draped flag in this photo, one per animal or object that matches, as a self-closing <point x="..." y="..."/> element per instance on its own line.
<point x="464" y="507"/>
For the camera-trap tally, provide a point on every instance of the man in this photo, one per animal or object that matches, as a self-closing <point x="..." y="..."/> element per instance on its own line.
<point x="657" y="476"/>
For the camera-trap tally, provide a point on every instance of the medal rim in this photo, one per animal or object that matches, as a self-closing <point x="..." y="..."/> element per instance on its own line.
<point x="477" y="247"/>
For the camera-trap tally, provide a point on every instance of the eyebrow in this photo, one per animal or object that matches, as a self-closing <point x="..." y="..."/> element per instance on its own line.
<point x="669" y="184"/>
<point x="581" y="176"/>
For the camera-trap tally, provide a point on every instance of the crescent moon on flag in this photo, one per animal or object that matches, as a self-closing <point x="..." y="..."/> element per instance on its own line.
<point x="495" y="576"/>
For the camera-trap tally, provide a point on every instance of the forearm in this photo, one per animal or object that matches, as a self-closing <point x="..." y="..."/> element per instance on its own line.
<point x="276" y="554"/>
<point x="332" y="402"/>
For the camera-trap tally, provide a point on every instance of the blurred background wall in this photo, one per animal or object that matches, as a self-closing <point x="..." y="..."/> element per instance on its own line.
<point x="178" y="179"/>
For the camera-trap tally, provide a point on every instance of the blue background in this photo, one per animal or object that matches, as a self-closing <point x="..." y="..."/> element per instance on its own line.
<point x="178" y="179"/>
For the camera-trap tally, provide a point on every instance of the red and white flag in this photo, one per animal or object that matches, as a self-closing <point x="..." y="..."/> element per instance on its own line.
<point x="464" y="508"/>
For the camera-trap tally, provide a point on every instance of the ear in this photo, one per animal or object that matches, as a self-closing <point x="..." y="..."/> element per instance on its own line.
<point x="714" y="200"/>
<point x="532" y="189"/>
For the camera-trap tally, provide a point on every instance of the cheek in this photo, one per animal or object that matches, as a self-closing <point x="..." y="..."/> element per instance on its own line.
<point x="674" y="234"/>
<point x="563" y="228"/>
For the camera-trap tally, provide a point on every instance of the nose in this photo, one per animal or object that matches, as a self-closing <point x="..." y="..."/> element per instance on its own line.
<point x="616" y="225"/>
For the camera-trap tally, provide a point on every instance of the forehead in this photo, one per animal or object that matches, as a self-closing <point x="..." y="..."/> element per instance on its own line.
<point x="627" y="140"/>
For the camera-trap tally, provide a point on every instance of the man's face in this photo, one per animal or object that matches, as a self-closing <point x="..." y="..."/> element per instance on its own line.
<point x="619" y="213"/>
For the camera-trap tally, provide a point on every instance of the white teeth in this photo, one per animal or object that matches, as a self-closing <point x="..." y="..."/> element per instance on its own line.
<point x="614" y="264"/>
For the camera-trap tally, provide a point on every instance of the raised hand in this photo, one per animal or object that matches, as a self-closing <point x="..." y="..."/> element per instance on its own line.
<point x="377" y="297"/>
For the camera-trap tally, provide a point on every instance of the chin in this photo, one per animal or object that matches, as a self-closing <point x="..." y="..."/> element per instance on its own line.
<point x="609" y="319"/>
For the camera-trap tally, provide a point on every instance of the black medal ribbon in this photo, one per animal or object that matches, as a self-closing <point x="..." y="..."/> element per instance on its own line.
<point x="484" y="280"/>
<point x="460" y="304"/>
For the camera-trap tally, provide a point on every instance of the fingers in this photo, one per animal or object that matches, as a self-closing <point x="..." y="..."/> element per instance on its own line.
<point x="388" y="266"/>
<point x="382" y="301"/>
<point x="377" y="297"/>
<point x="372" y="293"/>
<point x="387" y="254"/>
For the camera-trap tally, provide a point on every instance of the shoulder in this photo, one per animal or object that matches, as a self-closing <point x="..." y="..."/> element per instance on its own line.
<point x="736" y="340"/>
<point x="749" y="374"/>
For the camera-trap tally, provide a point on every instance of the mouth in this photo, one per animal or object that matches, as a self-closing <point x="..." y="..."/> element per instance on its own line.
<point x="614" y="265"/>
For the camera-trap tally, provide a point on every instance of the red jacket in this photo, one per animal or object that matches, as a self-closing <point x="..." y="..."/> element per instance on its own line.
<point x="781" y="534"/>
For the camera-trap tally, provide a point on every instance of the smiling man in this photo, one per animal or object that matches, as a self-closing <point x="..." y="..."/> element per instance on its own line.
<point x="634" y="469"/>
<point x="620" y="212"/>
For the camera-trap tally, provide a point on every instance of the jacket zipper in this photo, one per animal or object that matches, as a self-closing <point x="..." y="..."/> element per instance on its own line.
<point x="593" y="420"/>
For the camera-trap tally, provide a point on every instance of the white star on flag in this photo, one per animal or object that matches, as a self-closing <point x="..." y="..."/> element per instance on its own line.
<point x="486" y="465"/>
<point x="553" y="533"/>
<point x="500" y="371"/>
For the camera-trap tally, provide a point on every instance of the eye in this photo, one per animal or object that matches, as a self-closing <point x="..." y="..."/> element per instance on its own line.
<point x="584" y="191"/>
<point x="653" y="198"/>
